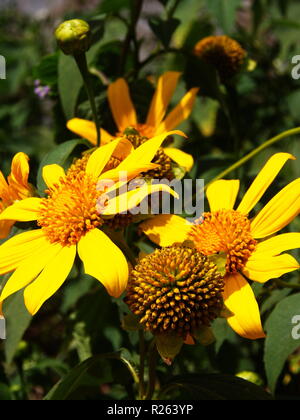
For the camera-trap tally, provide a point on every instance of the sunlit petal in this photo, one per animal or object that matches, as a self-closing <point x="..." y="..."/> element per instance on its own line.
<point x="103" y="260"/>
<point x="240" y="300"/>
<point x="222" y="194"/>
<point x="166" y="229"/>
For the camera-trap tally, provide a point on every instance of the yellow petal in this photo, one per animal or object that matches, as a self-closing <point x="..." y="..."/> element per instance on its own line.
<point x="263" y="269"/>
<point x="180" y="113"/>
<point x="139" y="160"/>
<point x="103" y="260"/>
<point x="100" y="157"/>
<point x="5" y="228"/>
<point x="122" y="177"/>
<point x="166" y="229"/>
<point x="277" y="244"/>
<point x="240" y="300"/>
<point x="165" y="88"/>
<point x="25" y="210"/>
<point x="52" y="174"/>
<point x="20" y="169"/>
<point x="263" y="180"/>
<point x="50" y="280"/>
<point x="222" y="194"/>
<point x="87" y="130"/>
<point x="279" y="212"/>
<point x="121" y="105"/>
<point x="181" y="158"/>
<point x="3" y="185"/>
<point x="145" y="153"/>
<point x="29" y="269"/>
<point x="123" y="149"/>
<point x="18" y="248"/>
<point x="131" y="199"/>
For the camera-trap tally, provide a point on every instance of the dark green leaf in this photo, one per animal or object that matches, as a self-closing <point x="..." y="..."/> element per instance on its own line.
<point x="222" y="332"/>
<point x="5" y="394"/>
<point x="164" y="29"/>
<point x="224" y="11"/>
<point x="213" y="387"/>
<point x="69" y="83"/>
<point x="280" y="342"/>
<point x="17" y="321"/>
<point x="80" y="377"/>
<point x="113" y="6"/>
<point x="90" y="374"/>
<point x="47" y="70"/>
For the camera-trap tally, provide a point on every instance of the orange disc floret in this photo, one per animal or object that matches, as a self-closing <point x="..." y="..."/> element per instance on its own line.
<point x="175" y="290"/>
<point x="225" y="231"/>
<point x="69" y="211"/>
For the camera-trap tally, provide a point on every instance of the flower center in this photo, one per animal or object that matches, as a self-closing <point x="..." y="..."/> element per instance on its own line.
<point x="226" y="54"/>
<point x="137" y="137"/>
<point x="175" y="289"/>
<point x="225" y="231"/>
<point x="69" y="211"/>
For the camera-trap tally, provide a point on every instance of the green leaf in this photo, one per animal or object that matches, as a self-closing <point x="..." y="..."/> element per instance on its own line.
<point x="79" y="377"/>
<point x="204" y="335"/>
<point x="17" y="321"/>
<point x="280" y="343"/>
<point x="46" y="71"/>
<point x="224" y="11"/>
<point x="212" y="387"/>
<point x="164" y="29"/>
<point x="222" y="332"/>
<point x="130" y="322"/>
<point x="168" y="345"/>
<point x="5" y="394"/>
<point x="92" y="373"/>
<point x="69" y="83"/>
<point x="59" y="156"/>
<point x="113" y="6"/>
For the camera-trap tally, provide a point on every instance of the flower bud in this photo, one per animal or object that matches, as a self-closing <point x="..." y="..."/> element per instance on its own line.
<point x="73" y="36"/>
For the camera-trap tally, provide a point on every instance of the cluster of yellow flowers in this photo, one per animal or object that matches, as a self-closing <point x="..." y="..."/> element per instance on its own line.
<point x="179" y="288"/>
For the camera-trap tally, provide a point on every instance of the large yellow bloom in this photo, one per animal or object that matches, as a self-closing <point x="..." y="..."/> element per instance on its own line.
<point x="229" y="230"/>
<point x="125" y="116"/>
<point x="14" y="189"/>
<point x="70" y="220"/>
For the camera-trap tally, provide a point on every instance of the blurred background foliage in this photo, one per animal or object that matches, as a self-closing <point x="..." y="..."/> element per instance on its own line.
<point x="82" y="320"/>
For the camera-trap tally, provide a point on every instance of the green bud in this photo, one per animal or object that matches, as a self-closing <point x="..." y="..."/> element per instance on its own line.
<point x="73" y="36"/>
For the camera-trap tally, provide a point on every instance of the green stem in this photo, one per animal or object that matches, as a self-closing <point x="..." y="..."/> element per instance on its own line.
<point x="142" y="365"/>
<point x="136" y="9"/>
<point x="254" y="152"/>
<point x="153" y="356"/>
<point x="285" y="284"/>
<point x="172" y="9"/>
<point x="83" y="67"/>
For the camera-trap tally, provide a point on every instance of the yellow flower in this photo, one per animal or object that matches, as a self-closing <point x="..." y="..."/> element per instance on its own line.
<point x="70" y="220"/>
<point x="125" y="116"/>
<point x="14" y="189"/>
<point x="251" y="247"/>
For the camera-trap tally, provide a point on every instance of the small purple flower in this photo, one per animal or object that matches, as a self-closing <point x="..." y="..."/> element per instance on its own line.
<point x="41" y="91"/>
